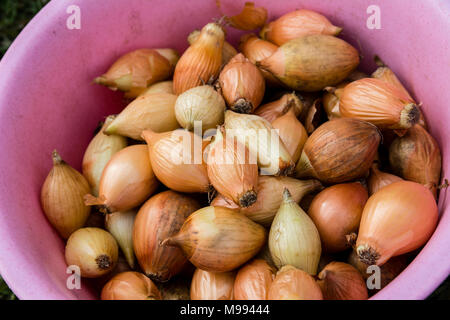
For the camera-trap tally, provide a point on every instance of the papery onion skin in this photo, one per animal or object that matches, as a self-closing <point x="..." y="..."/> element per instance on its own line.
<point x="136" y="70"/>
<point x="379" y="179"/>
<point x="296" y="24"/>
<point x="270" y="190"/>
<point x="130" y="286"/>
<point x="331" y="100"/>
<point x="173" y="164"/>
<point x="228" y="51"/>
<point x="120" y="225"/>
<point x="99" y="151"/>
<point x="230" y="170"/>
<point x="201" y="61"/>
<point x="379" y="103"/>
<point x="341" y="281"/>
<point x="155" y="111"/>
<point x="311" y="63"/>
<point x="291" y="283"/>
<point x="417" y="157"/>
<point x="263" y="142"/>
<point x="62" y="197"/>
<point x="93" y="250"/>
<point x="218" y="239"/>
<point x="208" y="285"/>
<point x="242" y="84"/>
<point x="293" y="238"/>
<point x="253" y="280"/>
<point x="329" y="152"/>
<point x="160" y="217"/>
<point x="292" y="133"/>
<point x="397" y="219"/>
<point x="336" y="211"/>
<point x="272" y="110"/>
<point x="127" y="181"/>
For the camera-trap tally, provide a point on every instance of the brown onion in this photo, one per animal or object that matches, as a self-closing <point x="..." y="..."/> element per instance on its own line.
<point x="329" y="153"/>
<point x="379" y="179"/>
<point x="230" y="171"/>
<point x="242" y="84"/>
<point x="379" y="103"/>
<point x="416" y="156"/>
<point x="127" y="181"/>
<point x="177" y="160"/>
<point x="341" y="281"/>
<point x="336" y="212"/>
<point x="160" y="217"/>
<point x="208" y="285"/>
<point x="218" y="239"/>
<point x="130" y="286"/>
<point x="397" y="219"/>
<point x="296" y="24"/>
<point x="294" y="284"/>
<point x="311" y="63"/>
<point x="253" y="281"/>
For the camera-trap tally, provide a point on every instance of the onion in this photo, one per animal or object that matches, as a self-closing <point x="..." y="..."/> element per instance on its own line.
<point x="379" y="103"/>
<point x="229" y="171"/>
<point x="212" y="286"/>
<point x="218" y="239"/>
<point x="379" y="179"/>
<point x="341" y="281"/>
<point x="416" y="156"/>
<point x="177" y="160"/>
<point x="296" y="24"/>
<point x="242" y="84"/>
<point x="397" y="219"/>
<point x="160" y="217"/>
<point x="253" y="281"/>
<point x="130" y="286"/>
<point x="272" y="110"/>
<point x="127" y="181"/>
<point x="291" y="283"/>
<point x="336" y="212"/>
<point x="201" y="61"/>
<point x="228" y="51"/>
<point x="250" y="18"/>
<point x="329" y="153"/>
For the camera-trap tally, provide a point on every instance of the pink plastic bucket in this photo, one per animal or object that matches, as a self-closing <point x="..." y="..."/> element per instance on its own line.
<point x="48" y="101"/>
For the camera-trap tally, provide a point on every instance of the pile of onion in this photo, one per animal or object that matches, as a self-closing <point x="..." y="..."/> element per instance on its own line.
<point x="272" y="171"/>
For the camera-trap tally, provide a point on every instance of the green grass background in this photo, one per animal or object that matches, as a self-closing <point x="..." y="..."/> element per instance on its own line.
<point x="14" y="15"/>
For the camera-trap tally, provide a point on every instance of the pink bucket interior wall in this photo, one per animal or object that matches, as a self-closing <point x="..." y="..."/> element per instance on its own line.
<point x="49" y="102"/>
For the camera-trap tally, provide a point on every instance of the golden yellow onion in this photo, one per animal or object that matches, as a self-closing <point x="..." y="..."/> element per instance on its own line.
<point x="228" y="51"/>
<point x="208" y="285"/>
<point x="154" y="111"/>
<point x="62" y="197"/>
<point x="130" y="286"/>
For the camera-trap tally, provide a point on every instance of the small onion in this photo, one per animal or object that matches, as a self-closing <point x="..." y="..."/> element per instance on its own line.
<point x="177" y="160"/>
<point x="341" y="281"/>
<point x="127" y="181"/>
<point x="242" y="84"/>
<point x="416" y="156"/>
<point x="254" y="280"/>
<point x="228" y="51"/>
<point x="202" y="104"/>
<point x="208" y="285"/>
<point x="218" y="239"/>
<point x="336" y="212"/>
<point x="397" y="219"/>
<point x="272" y="110"/>
<point x="93" y="250"/>
<point x="379" y="179"/>
<point x="291" y="283"/>
<point x="130" y="286"/>
<point x="160" y="217"/>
